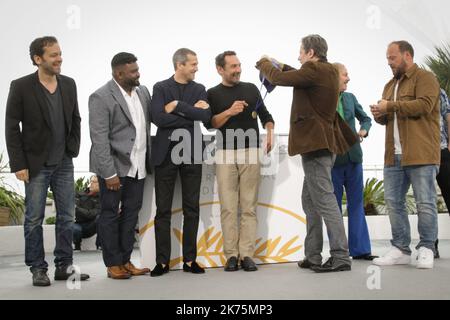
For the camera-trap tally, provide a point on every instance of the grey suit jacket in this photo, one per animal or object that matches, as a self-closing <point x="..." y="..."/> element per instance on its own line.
<point x="113" y="132"/>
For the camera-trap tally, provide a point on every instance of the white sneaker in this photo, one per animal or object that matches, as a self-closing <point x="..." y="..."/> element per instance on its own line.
<point x="392" y="257"/>
<point x="425" y="258"/>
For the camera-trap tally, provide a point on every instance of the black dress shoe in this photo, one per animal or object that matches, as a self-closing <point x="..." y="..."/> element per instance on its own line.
<point x="232" y="264"/>
<point x="332" y="266"/>
<point x="306" y="264"/>
<point x="40" y="278"/>
<point x="248" y="264"/>
<point x="367" y="256"/>
<point x="159" y="270"/>
<point x="193" y="268"/>
<point x="62" y="273"/>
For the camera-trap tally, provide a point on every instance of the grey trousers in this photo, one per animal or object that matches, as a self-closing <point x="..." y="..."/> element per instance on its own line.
<point x="319" y="202"/>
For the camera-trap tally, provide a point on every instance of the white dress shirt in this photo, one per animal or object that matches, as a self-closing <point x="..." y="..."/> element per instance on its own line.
<point x="137" y="156"/>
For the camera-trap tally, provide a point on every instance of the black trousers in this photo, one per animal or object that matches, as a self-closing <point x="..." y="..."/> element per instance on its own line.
<point x="443" y="178"/>
<point x="116" y="226"/>
<point x="165" y="178"/>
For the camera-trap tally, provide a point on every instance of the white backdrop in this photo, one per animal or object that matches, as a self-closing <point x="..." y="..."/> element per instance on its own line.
<point x="92" y="31"/>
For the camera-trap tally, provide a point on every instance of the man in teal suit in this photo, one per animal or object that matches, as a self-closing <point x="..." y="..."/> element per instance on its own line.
<point x="348" y="172"/>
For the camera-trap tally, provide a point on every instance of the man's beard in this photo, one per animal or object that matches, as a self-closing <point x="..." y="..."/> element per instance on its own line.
<point x="133" y="83"/>
<point x="400" y="71"/>
<point x="235" y="78"/>
<point x="49" y="69"/>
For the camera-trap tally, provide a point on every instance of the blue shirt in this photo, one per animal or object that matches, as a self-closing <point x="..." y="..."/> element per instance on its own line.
<point x="445" y="111"/>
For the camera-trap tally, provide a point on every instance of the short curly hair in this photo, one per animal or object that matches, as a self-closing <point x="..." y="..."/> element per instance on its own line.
<point x="38" y="45"/>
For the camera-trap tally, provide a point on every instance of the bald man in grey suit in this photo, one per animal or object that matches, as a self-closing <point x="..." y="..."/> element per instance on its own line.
<point x="119" y="121"/>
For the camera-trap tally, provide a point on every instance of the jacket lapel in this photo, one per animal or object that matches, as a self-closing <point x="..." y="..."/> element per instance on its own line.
<point x="64" y="89"/>
<point x="40" y="97"/>
<point x="117" y="94"/>
<point x="144" y="102"/>
<point x="345" y="104"/>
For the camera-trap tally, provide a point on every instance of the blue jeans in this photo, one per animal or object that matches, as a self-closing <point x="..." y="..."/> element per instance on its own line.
<point x="60" y="180"/>
<point x="397" y="180"/>
<point x="350" y="176"/>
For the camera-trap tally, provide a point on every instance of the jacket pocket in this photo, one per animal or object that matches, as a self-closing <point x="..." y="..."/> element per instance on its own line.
<point x="303" y="119"/>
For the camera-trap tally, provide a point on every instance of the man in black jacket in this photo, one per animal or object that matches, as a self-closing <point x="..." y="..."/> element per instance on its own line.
<point x="42" y="127"/>
<point x="178" y="105"/>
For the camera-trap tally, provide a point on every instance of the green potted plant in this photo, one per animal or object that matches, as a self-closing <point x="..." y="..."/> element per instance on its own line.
<point x="440" y="65"/>
<point x="81" y="184"/>
<point x="373" y="195"/>
<point x="12" y="204"/>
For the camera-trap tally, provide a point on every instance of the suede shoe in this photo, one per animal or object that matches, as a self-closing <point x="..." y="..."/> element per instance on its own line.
<point x="306" y="264"/>
<point x="62" y="273"/>
<point x="193" y="268"/>
<point x="40" y="278"/>
<point x="232" y="264"/>
<point x="332" y="266"/>
<point x="248" y="264"/>
<point x="159" y="270"/>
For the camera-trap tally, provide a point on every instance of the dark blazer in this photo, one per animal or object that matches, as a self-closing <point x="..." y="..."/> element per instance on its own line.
<point x="352" y="110"/>
<point x="185" y="116"/>
<point x="314" y="123"/>
<point x="28" y="147"/>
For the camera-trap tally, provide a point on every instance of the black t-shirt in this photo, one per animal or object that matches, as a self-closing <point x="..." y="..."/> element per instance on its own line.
<point x="181" y="88"/>
<point x="58" y="126"/>
<point x="221" y="98"/>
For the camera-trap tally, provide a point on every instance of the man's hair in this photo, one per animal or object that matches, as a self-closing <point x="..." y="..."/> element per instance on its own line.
<point x="180" y="56"/>
<point x="316" y="43"/>
<point x="122" y="58"/>
<point x="38" y="45"/>
<point x="404" y="46"/>
<point x="220" y="59"/>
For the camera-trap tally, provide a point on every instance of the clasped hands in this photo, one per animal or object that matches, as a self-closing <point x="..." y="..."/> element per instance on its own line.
<point x="380" y="109"/>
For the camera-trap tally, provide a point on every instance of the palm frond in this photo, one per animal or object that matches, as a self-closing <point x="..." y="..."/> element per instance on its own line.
<point x="439" y="64"/>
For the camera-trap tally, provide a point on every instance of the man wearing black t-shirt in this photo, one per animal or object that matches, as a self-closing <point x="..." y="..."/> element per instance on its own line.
<point x="235" y="107"/>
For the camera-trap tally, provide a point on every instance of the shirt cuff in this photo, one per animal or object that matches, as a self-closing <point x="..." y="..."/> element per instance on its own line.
<point x="115" y="175"/>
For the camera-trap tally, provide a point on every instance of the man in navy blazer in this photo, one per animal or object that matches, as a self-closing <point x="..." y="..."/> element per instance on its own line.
<point x="177" y="107"/>
<point x="42" y="127"/>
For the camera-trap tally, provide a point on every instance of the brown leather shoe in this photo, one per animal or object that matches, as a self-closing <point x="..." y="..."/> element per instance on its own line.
<point x="116" y="272"/>
<point x="135" y="271"/>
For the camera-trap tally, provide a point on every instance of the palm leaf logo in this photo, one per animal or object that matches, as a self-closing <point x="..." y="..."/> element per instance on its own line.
<point x="210" y="247"/>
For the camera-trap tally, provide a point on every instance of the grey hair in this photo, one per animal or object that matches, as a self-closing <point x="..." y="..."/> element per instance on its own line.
<point x="338" y="66"/>
<point x="180" y="56"/>
<point x="316" y="43"/>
